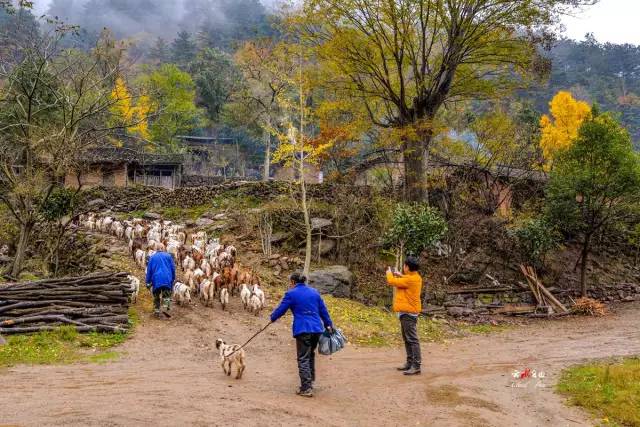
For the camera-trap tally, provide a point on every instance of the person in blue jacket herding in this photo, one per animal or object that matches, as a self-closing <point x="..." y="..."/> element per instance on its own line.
<point x="310" y="319"/>
<point x="161" y="274"/>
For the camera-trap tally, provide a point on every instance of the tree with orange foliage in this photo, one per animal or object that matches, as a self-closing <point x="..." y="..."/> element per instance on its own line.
<point x="342" y="126"/>
<point x="560" y="131"/>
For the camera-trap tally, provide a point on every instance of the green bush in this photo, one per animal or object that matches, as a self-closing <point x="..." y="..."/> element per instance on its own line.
<point x="535" y="238"/>
<point x="415" y="227"/>
<point x="60" y="202"/>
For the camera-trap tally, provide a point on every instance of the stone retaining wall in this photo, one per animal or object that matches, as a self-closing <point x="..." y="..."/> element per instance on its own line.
<point x="469" y="303"/>
<point x="203" y="181"/>
<point x="143" y="198"/>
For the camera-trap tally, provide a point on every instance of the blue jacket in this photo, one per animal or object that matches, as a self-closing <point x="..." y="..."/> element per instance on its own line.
<point x="310" y="315"/>
<point x="161" y="271"/>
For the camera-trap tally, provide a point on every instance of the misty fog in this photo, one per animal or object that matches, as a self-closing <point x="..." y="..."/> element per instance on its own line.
<point x="161" y="18"/>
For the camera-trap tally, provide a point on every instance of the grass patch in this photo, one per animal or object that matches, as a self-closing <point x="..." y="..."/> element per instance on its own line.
<point x="62" y="345"/>
<point x="235" y="200"/>
<point x="610" y="391"/>
<point x="176" y="213"/>
<point x="373" y="326"/>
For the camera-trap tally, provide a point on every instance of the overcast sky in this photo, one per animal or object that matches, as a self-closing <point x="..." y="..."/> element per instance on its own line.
<point x="616" y="21"/>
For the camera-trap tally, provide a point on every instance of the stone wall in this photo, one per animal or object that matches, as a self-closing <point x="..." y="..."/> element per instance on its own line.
<point x="468" y="302"/>
<point x="143" y="198"/>
<point x="201" y="180"/>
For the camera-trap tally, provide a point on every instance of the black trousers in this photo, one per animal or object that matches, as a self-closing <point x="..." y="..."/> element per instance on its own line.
<point x="409" y="327"/>
<point x="306" y="345"/>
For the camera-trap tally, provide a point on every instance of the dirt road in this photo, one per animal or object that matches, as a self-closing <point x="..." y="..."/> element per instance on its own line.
<point x="168" y="376"/>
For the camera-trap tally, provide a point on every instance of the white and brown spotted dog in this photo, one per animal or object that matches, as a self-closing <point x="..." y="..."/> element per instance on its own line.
<point x="230" y="355"/>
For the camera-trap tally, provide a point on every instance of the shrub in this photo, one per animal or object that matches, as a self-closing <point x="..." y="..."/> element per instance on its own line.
<point x="414" y="228"/>
<point x="535" y="238"/>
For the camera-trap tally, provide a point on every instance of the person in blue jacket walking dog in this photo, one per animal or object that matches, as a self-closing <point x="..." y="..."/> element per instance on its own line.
<point x="310" y="319"/>
<point x="161" y="274"/>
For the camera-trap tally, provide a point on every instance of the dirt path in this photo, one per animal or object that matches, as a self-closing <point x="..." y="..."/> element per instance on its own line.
<point x="168" y="375"/>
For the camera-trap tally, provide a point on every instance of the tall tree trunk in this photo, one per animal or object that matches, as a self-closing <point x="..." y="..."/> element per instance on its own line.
<point x="414" y="155"/>
<point x="25" y="233"/>
<point x="267" y="154"/>
<point x="583" y="264"/>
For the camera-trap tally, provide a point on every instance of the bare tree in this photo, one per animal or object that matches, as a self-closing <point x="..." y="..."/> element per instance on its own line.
<point x="54" y="105"/>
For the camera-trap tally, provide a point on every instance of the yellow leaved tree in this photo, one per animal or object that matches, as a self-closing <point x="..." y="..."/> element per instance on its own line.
<point x="297" y="148"/>
<point x="133" y="117"/>
<point x="560" y="131"/>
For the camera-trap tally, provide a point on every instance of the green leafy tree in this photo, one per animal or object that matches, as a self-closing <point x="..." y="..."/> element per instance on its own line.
<point x="216" y="78"/>
<point x="171" y="96"/>
<point x="414" y="228"/>
<point x="595" y="183"/>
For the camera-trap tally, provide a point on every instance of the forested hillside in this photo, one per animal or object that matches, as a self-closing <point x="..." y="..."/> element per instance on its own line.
<point x="603" y="73"/>
<point x="213" y="23"/>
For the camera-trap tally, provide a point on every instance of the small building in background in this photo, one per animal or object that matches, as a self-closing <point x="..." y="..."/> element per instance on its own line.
<point x="112" y="166"/>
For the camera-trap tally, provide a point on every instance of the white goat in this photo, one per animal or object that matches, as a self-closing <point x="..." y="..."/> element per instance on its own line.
<point x="224" y="298"/>
<point x="135" y="287"/>
<point x="206" y="292"/>
<point x="245" y="295"/>
<point x="255" y="304"/>
<point x="188" y="263"/>
<point x="182" y="293"/>
<point x="259" y="293"/>
<point x="141" y="258"/>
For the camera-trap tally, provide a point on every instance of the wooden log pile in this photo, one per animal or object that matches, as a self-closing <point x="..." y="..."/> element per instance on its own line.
<point x="97" y="302"/>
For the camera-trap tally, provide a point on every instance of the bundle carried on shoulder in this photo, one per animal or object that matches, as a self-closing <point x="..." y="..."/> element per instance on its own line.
<point x="331" y="342"/>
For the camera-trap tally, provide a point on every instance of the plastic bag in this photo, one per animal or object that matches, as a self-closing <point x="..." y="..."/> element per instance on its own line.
<point x="331" y="342"/>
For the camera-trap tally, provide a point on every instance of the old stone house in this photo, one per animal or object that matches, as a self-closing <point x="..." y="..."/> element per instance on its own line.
<point x="113" y="166"/>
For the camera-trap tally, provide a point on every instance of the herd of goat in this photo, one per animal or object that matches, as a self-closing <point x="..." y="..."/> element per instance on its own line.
<point x="209" y="268"/>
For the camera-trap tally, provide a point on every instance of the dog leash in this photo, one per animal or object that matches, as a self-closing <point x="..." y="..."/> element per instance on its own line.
<point x="249" y="340"/>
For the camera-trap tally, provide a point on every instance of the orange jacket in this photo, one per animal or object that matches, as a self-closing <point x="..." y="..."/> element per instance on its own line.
<point x="409" y="286"/>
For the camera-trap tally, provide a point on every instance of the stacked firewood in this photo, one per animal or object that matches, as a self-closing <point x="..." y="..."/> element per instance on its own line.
<point x="97" y="302"/>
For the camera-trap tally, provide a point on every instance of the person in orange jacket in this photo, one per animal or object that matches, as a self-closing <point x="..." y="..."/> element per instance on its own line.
<point x="407" y="304"/>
